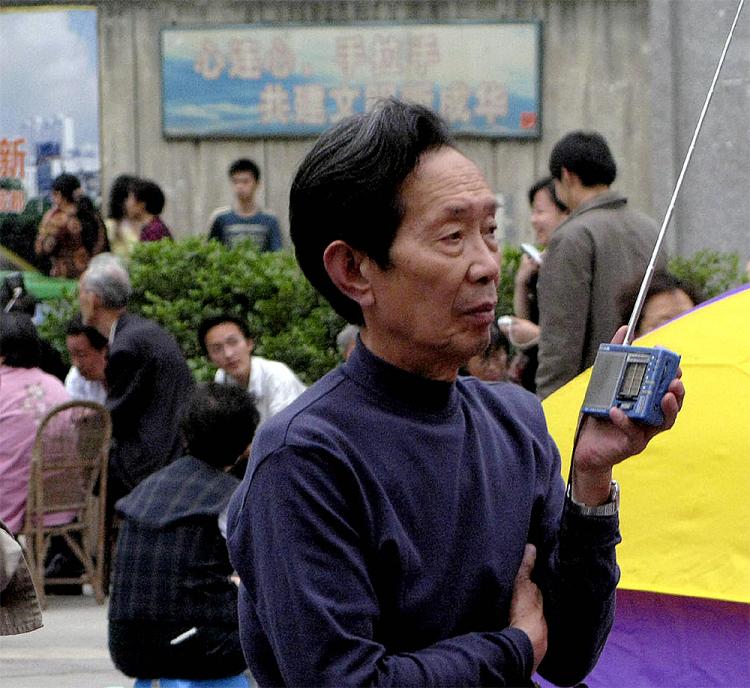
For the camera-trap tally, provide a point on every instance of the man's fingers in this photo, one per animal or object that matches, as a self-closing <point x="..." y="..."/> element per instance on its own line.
<point x="528" y="561"/>
<point x="619" y="337"/>
<point x="620" y="420"/>
<point x="670" y="407"/>
<point x="677" y="388"/>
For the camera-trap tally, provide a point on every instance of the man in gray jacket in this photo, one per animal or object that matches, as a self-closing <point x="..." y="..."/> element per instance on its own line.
<point x="592" y="256"/>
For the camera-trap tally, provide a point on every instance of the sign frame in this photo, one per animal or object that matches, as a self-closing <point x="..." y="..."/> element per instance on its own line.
<point x="236" y="82"/>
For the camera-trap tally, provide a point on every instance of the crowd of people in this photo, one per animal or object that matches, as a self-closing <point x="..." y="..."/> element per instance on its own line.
<point x="347" y="533"/>
<point x="73" y="231"/>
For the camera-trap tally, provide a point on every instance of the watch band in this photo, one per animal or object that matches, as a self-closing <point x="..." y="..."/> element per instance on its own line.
<point x="609" y="508"/>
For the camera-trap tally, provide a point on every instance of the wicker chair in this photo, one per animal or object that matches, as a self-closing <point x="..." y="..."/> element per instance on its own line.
<point x="68" y="486"/>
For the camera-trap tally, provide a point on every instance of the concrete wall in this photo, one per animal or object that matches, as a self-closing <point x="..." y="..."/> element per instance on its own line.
<point x="713" y="208"/>
<point x="596" y="64"/>
<point x="636" y="70"/>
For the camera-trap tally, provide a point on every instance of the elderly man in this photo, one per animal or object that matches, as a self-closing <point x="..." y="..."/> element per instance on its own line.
<point x="399" y="524"/>
<point x="148" y="380"/>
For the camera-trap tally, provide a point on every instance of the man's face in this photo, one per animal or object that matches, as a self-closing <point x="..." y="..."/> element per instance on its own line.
<point x="433" y="306"/>
<point x="86" y="303"/>
<point x="244" y="185"/>
<point x="229" y="349"/>
<point x="90" y="361"/>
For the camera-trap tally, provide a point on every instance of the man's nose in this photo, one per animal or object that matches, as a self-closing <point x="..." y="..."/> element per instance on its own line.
<point x="227" y="348"/>
<point x="485" y="262"/>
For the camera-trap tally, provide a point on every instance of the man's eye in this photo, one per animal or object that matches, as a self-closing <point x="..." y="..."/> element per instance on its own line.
<point x="489" y="233"/>
<point x="453" y="236"/>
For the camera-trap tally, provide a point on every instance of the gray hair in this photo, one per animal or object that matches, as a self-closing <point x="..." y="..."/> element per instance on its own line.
<point x="346" y="338"/>
<point x="108" y="278"/>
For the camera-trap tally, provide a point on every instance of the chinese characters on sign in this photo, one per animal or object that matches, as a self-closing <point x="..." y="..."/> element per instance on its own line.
<point x="483" y="78"/>
<point x="12" y="172"/>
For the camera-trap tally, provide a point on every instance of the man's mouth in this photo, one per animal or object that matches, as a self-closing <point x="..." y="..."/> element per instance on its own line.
<point x="482" y="312"/>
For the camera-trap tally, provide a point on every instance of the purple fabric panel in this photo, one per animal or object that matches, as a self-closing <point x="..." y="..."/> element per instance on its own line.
<point x="665" y="640"/>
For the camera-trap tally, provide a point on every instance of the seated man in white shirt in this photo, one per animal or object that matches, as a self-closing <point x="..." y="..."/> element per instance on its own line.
<point x="88" y="354"/>
<point x="226" y="340"/>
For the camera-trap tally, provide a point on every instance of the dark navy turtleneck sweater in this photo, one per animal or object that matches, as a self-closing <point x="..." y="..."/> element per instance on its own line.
<point x="381" y="525"/>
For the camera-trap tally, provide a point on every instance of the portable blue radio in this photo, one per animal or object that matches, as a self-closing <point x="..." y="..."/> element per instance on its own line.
<point x="635" y="378"/>
<point x="631" y="378"/>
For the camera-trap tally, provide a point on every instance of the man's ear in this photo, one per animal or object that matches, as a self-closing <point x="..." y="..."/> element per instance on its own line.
<point x="344" y="266"/>
<point x="97" y="302"/>
<point x="568" y="178"/>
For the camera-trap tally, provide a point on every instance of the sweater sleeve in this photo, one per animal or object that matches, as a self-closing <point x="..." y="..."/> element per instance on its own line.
<point x="578" y="575"/>
<point x="564" y="291"/>
<point x="580" y="597"/>
<point x="308" y="590"/>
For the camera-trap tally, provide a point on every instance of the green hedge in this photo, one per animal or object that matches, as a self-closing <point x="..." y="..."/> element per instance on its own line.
<point x="179" y="283"/>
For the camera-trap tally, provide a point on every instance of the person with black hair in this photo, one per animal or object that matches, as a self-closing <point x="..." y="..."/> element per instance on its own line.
<point x="227" y="342"/>
<point x="93" y="230"/>
<point x="490" y="365"/>
<point x="71" y="232"/>
<point x="601" y="247"/>
<point x="245" y="220"/>
<point x="667" y="297"/>
<point x="173" y="607"/>
<point x="87" y="348"/>
<point x="123" y="236"/>
<point x="399" y="524"/>
<point x="14" y="298"/>
<point x="522" y="329"/>
<point x="26" y="395"/>
<point x="143" y="206"/>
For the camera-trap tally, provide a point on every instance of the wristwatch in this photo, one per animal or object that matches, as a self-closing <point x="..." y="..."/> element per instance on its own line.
<point x="609" y="508"/>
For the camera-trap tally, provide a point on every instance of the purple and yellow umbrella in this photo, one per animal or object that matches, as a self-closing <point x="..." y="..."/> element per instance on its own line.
<point x="683" y="616"/>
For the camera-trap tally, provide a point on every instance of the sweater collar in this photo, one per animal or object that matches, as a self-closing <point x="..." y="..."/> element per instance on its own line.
<point x="398" y="387"/>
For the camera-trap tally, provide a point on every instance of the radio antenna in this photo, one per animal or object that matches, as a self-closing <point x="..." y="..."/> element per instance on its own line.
<point x="635" y="315"/>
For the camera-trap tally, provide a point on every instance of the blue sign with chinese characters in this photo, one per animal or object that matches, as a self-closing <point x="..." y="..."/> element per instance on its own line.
<point x="260" y="81"/>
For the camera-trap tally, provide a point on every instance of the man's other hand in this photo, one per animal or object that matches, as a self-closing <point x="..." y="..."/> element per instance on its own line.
<point x="526" y="606"/>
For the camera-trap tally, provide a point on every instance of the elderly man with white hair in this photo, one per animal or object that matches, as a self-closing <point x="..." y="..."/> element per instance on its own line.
<point x="148" y="379"/>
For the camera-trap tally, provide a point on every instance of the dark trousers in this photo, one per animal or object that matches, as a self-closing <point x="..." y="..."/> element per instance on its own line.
<point x="142" y="649"/>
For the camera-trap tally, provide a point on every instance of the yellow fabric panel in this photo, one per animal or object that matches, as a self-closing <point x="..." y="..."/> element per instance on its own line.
<point x="685" y="506"/>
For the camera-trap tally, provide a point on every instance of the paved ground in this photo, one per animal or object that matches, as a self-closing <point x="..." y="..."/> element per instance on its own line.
<point x="70" y="651"/>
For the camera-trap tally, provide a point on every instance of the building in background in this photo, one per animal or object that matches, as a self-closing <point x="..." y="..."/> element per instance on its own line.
<point x="51" y="143"/>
